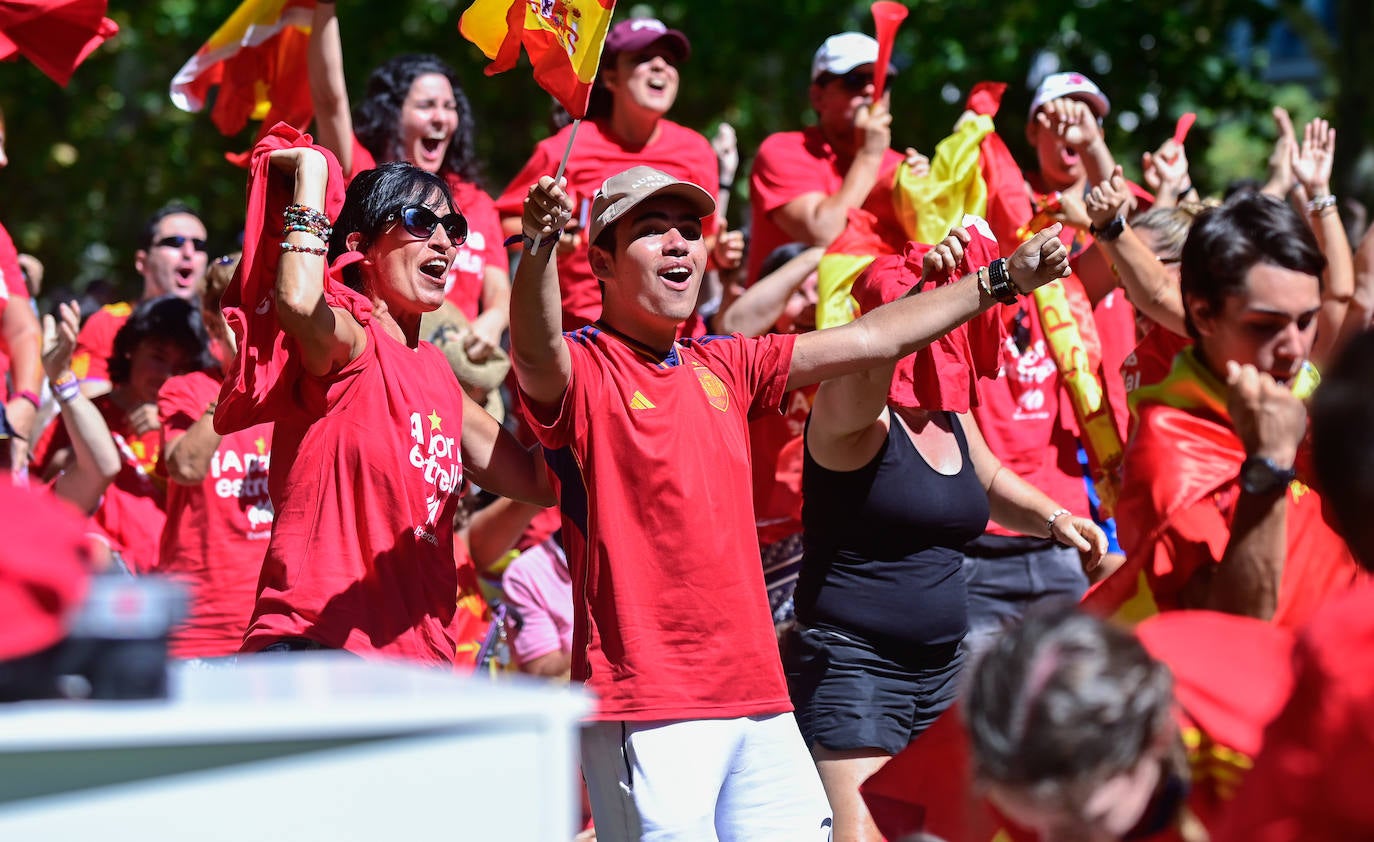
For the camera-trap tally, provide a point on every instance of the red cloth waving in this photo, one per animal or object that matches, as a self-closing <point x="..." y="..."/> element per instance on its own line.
<point x="56" y="35"/>
<point x="259" y="383"/>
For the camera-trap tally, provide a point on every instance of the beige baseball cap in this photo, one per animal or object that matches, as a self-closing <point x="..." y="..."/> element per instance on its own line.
<point x="620" y="193"/>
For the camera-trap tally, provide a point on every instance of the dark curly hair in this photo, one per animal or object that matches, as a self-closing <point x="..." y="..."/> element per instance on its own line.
<point x="378" y="117"/>
<point x="373" y="197"/>
<point x="169" y="318"/>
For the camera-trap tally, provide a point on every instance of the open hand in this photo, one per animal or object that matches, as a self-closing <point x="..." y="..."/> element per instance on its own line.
<point x="59" y="339"/>
<point x="1281" y="176"/>
<point x="1083" y="535"/>
<point x="1039" y="260"/>
<point x="1166" y="169"/>
<point x="1311" y="163"/>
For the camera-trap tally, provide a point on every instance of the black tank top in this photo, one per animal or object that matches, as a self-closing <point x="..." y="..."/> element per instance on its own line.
<point x="882" y="544"/>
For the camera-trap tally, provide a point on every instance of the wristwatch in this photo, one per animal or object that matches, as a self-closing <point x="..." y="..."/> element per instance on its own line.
<point x="1259" y="475"/>
<point x="1110" y="231"/>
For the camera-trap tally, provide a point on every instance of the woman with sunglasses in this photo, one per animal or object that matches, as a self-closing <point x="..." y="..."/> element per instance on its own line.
<point x="370" y="450"/>
<point x="414" y="110"/>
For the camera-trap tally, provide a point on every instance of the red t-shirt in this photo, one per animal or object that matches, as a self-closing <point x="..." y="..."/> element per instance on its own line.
<point x="463" y="285"/>
<point x="1311" y="781"/>
<point x="775" y="448"/>
<point x="132" y="512"/>
<point x="95" y="342"/>
<point x="365" y="476"/>
<point x="217" y="531"/>
<point x="651" y="460"/>
<point x="1021" y="416"/>
<point x="792" y="164"/>
<point x="596" y="156"/>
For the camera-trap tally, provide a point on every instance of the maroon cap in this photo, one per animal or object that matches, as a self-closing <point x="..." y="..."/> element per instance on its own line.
<point x="638" y="33"/>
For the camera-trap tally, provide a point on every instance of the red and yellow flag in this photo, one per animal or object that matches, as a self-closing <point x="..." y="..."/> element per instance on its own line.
<point x="258" y="60"/>
<point x="562" y="37"/>
<point x="56" y="35"/>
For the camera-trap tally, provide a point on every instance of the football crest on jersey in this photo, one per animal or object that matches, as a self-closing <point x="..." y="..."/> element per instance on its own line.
<point x="712" y="386"/>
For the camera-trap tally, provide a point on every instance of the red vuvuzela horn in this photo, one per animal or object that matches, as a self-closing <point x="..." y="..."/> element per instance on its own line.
<point x="887" y="16"/>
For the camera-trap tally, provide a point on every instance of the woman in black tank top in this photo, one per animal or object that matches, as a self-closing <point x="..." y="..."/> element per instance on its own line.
<point x="890" y="495"/>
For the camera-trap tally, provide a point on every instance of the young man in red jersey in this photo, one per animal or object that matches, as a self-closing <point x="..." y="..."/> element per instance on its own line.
<point x="648" y="440"/>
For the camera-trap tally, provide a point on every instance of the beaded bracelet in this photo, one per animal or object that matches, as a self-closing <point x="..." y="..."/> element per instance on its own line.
<point x="321" y="251"/>
<point x="1056" y="515"/>
<point x="1321" y="203"/>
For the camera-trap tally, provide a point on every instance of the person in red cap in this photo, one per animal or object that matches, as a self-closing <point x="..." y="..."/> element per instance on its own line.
<point x="647" y="439"/>
<point x="804" y="183"/>
<point x="626" y="126"/>
<point x="1310" y="782"/>
<point x="897" y="479"/>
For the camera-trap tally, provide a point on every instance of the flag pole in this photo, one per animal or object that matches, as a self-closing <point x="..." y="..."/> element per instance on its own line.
<point x="562" y="165"/>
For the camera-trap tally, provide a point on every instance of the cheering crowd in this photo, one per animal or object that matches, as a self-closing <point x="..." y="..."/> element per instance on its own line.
<point x="944" y="500"/>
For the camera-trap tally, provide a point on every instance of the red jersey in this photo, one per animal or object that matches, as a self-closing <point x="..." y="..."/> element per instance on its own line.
<point x="1181" y="481"/>
<point x="1311" y="781"/>
<point x="596" y="156"/>
<point x="132" y="512"/>
<point x="463" y="285"/>
<point x="792" y="164"/>
<point x="366" y="468"/>
<point x="651" y="461"/>
<point x="217" y="531"/>
<point x="95" y="342"/>
<point x="1026" y="418"/>
<point x="775" y="452"/>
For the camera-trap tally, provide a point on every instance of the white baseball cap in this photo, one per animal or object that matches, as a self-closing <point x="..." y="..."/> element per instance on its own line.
<point x="1074" y="85"/>
<point x="842" y="53"/>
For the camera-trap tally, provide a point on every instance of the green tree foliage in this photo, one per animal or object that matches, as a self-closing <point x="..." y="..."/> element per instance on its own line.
<point x="90" y="161"/>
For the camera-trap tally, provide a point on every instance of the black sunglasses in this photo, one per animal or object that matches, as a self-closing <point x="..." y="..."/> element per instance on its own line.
<point x="176" y="241"/>
<point x="420" y="221"/>
<point x="854" y="81"/>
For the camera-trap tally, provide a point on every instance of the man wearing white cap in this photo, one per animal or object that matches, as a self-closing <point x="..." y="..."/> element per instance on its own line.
<point x="647" y="441"/>
<point x="804" y="183"/>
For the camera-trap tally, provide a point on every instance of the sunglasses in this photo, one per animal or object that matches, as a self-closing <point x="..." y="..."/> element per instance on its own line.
<point x="176" y="241"/>
<point x="420" y="222"/>
<point x="854" y="81"/>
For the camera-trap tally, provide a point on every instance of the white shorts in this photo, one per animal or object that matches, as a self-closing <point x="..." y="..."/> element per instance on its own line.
<point x="748" y="780"/>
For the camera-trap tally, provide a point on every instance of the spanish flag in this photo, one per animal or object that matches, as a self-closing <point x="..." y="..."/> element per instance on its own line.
<point x="258" y="60"/>
<point x="56" y="35"/>
<point x="562" y="37"/>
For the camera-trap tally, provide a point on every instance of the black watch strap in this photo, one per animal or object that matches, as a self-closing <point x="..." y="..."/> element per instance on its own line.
<point x="1110" y="231"/>
<point x="999" y="282"/>
<point x="1259" y="475"/>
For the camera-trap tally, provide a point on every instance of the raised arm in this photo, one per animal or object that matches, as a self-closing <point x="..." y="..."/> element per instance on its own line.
<point x="844" y="409"/>
<point x="328" y="88"/>
<point x="187" y="455"/>
<point x="907" y="325"/>
<point x="1075" y="122"/>
<point x="757" y="309"/>
<point x="328" y="338"/>
<point x="1311" y="164"/>
<point x="1150" y="286"/>
<point x="498" y="462"/>
<point x="538" y="353"/>
<point x="96" y="460"/>
<point x="1166" y="173"/>
<point x="22" y="336"/>
<point x="816" y="218"/>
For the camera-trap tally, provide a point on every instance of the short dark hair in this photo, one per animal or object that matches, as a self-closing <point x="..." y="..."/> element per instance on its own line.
<point x="145" y="241"/>
<point x="1225" y="243"/>
<point x="168" y="318"/>
<point x="373" y="196"/>
<point x="779" y="256"/>
<point x="1343" y="444"/>
<point x="378" y="116"/>
<point x="1063" y="699"/>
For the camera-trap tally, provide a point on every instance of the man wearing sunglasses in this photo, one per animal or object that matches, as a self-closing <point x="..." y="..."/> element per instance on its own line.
<point x="172" y="256"/>
<point x="805" y="182"/>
